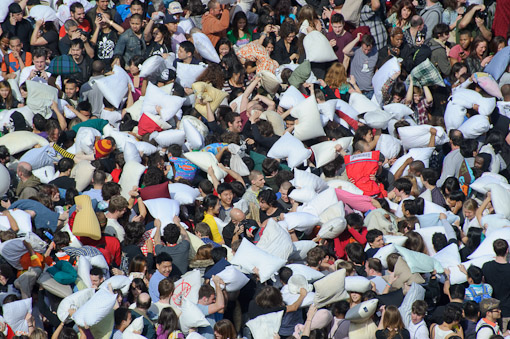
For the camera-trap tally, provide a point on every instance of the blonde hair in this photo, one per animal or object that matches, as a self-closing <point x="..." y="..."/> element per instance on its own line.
<point x="470" y="204"/>
<point x="336" y="75"/>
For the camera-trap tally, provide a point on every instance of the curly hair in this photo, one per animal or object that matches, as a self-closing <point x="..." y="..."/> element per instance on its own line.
<point x="214" y="75"/>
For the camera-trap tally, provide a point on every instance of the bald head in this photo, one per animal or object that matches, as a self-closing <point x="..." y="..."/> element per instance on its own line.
<point x="24" y="170"/>
<point x="143" y="301"/>
<point x="237" y="215"/>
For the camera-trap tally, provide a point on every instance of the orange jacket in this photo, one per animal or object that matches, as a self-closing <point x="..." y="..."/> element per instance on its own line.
<point x="215" y="28"/>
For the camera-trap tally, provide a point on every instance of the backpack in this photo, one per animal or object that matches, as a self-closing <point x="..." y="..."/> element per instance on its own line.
<point x="485" y="326"/>
<point x="479" y="297"/>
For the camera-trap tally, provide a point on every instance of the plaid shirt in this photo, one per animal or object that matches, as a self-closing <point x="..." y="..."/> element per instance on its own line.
<point x="421" y="111"/>
<point x="373" y="20"/>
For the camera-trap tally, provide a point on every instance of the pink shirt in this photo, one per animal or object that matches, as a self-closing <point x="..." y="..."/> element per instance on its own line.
<point x="455" y="53"/>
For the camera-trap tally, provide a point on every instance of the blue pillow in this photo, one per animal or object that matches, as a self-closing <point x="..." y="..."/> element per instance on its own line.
<point x="497" y="66"/>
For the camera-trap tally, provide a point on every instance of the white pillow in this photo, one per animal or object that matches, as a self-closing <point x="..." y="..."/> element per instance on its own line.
<point x="4" y="9"/>
<point x="332" y="228"/>
<point x="249" y="256"/>
<point x="15" y="313"/>
<point x="163" y="209"/>
<point x="265" y="326"/>
<point x="191" y="317"/>
<point x="301" y="248"/>
<point x="357" y="284"/>
<point x="328" y="109"/>
<point x="290" y="298"/>
<point x="398" y="110"/>
<point x="377" y="119"/>
<point x="188" y="286"/>
<point x="290" y="147"/>
<point x="275" y="240"/>
<point x="309" y="273"/>
<point x="361" y="103"/>
<point x="345" y="186"/>
<point x="419" y="136"/>
<point x="84" y="267"/>
<point x="233" y="278"/>
<point x="187" y="74"/>
<point x="131" y="153"/>
<point x="45" y="13"/>
<point x="197" y="123"/>
<point x="136" y="325"/>
<point x="131" y="173"/>
<point x="309" y="125"/>
<point x="205" y="47"/>
<point x="20" y="141"/>
<point x="145" y="147"/>
<point x="454" y="116"/>
<point x="77" y="300"/>
<point x="301" y="221"/>
<point x="486" y="106"/>
<point x="499" y="198"/>
<point x="307" y="179"/>
<point x="419" y="262"/>
<point x="155" y="96"/>
<point x="85" y="140"/>
<point x="448" y="256"/>
<point x="5" y="180"/>
<point x="475" y="126"/>
<point x="291" y="97"/>
<point x="330" y="289"/>
<point x="82" y="172"/>
<point x="427" y="233"/>
<point x="347" y="109"/>
<point x="324" y="152"/>
<point x="387" y="70"/>
<point x="152" y="66"/>
<point x="320" y="202"/>
<point x="118" y="282"/>
<point x="204" y="160"/>
<point x="169" y="137"/>
<point x="362" y="312"/>
<point x="96" y="309"/>
<point x="337" y="210"/>
<point x="485" y="248"/>
<point x="422" y="154"/>
<point x="383" y="252"/>
<point x="465" y="97"/>
<point x="458" y="277"/>
<point x="317" y="48"/>
<point x="114" y="87"/>
<point x="23" y="219"/>
<point x="395" y="239"/>
<point x="389" y="146"/>
<point x="494" y="222"/>
<point x="184" y="194"/>
<point x="193" y="136"/>
<point x="40" y="97"/>
<point x="303" y="195"/>
<point x="120" y="137"/>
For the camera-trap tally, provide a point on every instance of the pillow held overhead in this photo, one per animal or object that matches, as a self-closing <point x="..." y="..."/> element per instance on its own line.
<point x="169" y="104"/>
<point x="205" y="47"/>
<point x="187" y="74"/>
<point x="290" y="147"/>
<point x="317" y="48"/>
<point x="309" y="125"/>
<point x="207" y="93"/>
<point x="85" y="221"/>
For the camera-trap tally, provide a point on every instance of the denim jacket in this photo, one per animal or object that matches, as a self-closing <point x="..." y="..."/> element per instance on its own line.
<point x="130" y="45"/>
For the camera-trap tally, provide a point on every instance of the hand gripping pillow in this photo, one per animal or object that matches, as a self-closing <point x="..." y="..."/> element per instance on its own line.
<point x="422" y="154"/>
<point x="361" y="103"/>
<point x="317" y="48"/>
<point x="377" y="119"/>
<point x="325" y="152"/>
<point x="301" y="248"/>
<point x="163" y="209"/>
<point x="454" y="116"/>
<point x="152" y="66"/>
<point x="20" y="141"/>
<point x="233" y="278"/>
<point x="187" y="74"/>
<point x="118" y="282"/>
<point x="332" y="228"/>
<point x="301" y="221"/>
<point x="499" y="198"/>
<point x="205" y="47"/>
<point x="357" y="284"/>
<point x="419" y="262"/>
<point x="486" y="106"/>
<point x="419" y="136"/>
<point x="96" y="309"/>
<point x="184" y="194"/>
<point x="345" y="185"/>
<point x="194" y="138"/>
<point x="427" y="233"/>
<point x="15" y="313"/>
<point x="191" y="317"/>
<point x="387" y="70"/>
<point x="44" y="13"/>
<point x="486" y="248"/>
<point x="75" y="300"/>
<point x="114" y="87"/>
<point x="389" y="146"/>
<point x="265" y="326"/>
<point x="290" y="147"/>
<point x="40" y="97"/>
<point x="475" y="126"/>
<point x="204" y="160"/>
<point x="136" y="325"/>
<point x="23" y="219"/>
<point x="448" y="256"/>
<point x="130" y="177"/>
<point x="169" y="137"/>
<point x="330" y="289"/>
<point x="276" y="241"/>
<point x="398" y="110"/>
<point x="291" y="97"/>
<point x="249" y="256"/>
<point x="307" y="179"/>
<point x="383" y="252"/>
<point x="269" y="82"/>
<point x="275" y="120"/>
<point x="309" y="273"/>
<point x="290" y="298"/>
<point x="207" y="93"/>
<point x="155" y="96"/>
<point x="488" y="84"/>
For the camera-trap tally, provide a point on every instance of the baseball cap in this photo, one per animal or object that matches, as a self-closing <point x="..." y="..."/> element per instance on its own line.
<point x="175" y="8"/>
<point x="170" y="19"/>
<point x="488" y="305"/>
<point x="15" y="8"/>
<point x="167" y="75"/>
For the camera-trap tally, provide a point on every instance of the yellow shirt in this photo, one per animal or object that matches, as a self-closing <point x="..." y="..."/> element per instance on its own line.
<point x="209" y="220"/>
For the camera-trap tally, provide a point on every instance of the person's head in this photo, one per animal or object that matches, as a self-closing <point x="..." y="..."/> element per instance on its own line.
<point x="452" y="314"/>
<point x="500" y="247"/>
<point x="469" y="208"/>
<point x="96" y="277"/>
<point x="136" y="7"/>
<point x="143" y="301"/>
<point x="337" y="23"/>
<point x="412" y="207"/>
<point x="77" y="12"/>
<point x="354" y="220"/>
<point x="138" y="264"/>
<point x="267" y="199"/>
<point x="418" y="311"/>
<point x="402" y="187"/>
<point x="336" y="75"/>
<point x="417" y="22"/>
<point x="373" y="267"/>
<point x="211" y="204"/>
<point x="497" y="44"/>
<point x="471" y="310"/>
<point x="15" y="44"/>
<point x="39" y="58"/>
<point x="65" y="165"/>
<point x="429" y="176"/>
<point x="225" y="193"/>
<point x="239" y="23"/>
<point x="24" y="170"/>
<point x="171" y="234"/>
<point x="15" y="12"/>
<point x="415" y="242"/>
<point x="224" y="329"/>
<point x="465" y="39"/>
<point x="288" y="31"/>
<point x="405" y="11"/>
<point x="6" y="93"/>
<point x="257" y="179"/>
<point x="489" y="309"/>
<point x="340" y="308"/>
<point x="375" y="238"/>
<point x="117" y="206"/>
<point x="367" y="43"/>
<point x="315" y="256"/>
<point x="76" y="49"/>
<point x="71" y="88"/>
<point x="165" y="288"/>
<point x="206" y="295"/>
<point x="269" y="297"/>
<point x="457" y="291"/>
<point x="479" y="47"/>
<point x="223" y="47"/>
<point x="202" y="230"/>
<point x="391" y="261"/>
<point x="474" y="275"/>
<point x="284" y="191"/>
<point x="214" y="8"/>
<point x="168" y="320"/>
<point x="233" y="121"/>
<point x="122" y="317"/>
<point x="102" y="5"/>
<point x="164" y="264"/>
<point x="396" y="37"/>
<point x="392" y="321"/>
<point x="441" y="32"/>
<point x="355" y="253"/>
<point x="186" y="50"/>
<point x="135" y="23"/>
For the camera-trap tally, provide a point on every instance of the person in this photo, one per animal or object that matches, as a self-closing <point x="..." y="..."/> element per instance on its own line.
<point x="178" y="251"/>
<point x="16" y="60"/>
<point x="417" y="327"/>
<point x="122" y="319"/>
<point x="432" y="15"/>
<point x="239" y="34"/>
<point x="64" y="181"/>
<point x="104" y="39"/>
<point x="269" y="207"/>
<point x="77" y="12"/>
<point x="363" y="62"/>
<point x="210" y="208"/>
<point x="211" y="303"/>
<point x="401" y="17"/>
<point x="102" y="6"/>
<point x="168" y="325"/>
<point x="224" y="329"/>
<point x="488" y="324"/>
<point x="439" y="50"/>
<point x="339" y="326"/>
<point x="478" y="56"/>
<point x="216" y="21"/>
<point x="285" y="50"/>
<point x="131" y="43"/>
<point x="45" y="34"/>
<point x="7" y="100"/>
<point x="460" y="52"/>
<point x="453" y="160"/>
<point x="143" y="303"/>
<point x="450" y="325"/>
<point x="18" y="26"/>
<point x="36" y="72"/>
<point x="375" y="241"/>
<point x="29" y="184"/>
<point x="391" y="324"/>
<point x="163" y="270"/>
<point x="338" y="37"/>
<point x="370" y="17"/>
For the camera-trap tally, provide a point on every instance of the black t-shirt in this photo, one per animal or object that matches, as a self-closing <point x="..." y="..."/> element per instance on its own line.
<point x="105" y="46"/>
<point x="498" y="275"/>
<point x="52" y="38"/>
<point x="64" y="182"/>
<point x="264" y="216"/>
<point x="23" y="30"/>
<point x="402" y="334"/>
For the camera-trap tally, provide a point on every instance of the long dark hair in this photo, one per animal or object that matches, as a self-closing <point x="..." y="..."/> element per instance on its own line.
<point x="235" y="30"/>
<point x="210" y="201"/>
<point x="168" y="320"/>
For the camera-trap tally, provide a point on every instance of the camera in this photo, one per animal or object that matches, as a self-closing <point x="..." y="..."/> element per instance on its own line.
<point x="38" y="73"/>
<point x="481" y="14"/>
<point x="420" y="37"/>
<point x="99" y="15"/>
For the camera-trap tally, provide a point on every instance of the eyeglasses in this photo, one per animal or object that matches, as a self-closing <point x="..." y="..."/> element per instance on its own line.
<point x="496" y="310"/>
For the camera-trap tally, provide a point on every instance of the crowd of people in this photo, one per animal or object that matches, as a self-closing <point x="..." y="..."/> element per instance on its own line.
<point x="254" y="169"/>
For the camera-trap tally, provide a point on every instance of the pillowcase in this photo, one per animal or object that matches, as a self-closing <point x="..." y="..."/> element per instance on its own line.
<point x="448" y="256"/>
<point x="419" y="262"/>
<point x="301" y="221"/>
<point x="454" y="116"/>
<point x="303" y="195"/>
<point x="309" y="273"/>
<point x="499" y="196"/>
<point x="269" y="82"/>
<point x="266" y="325"/>
<point x="300" y="74"/>
<point x="337" y="210"/>
<point x="290" y="98"/>
<point x="383" y="252"/>
<point x="4" y="9"/>
<point x="153" y="65"/>
<point x="489" y="85"/>
<point x="404" y="275"/>
<point x="427" y="233"/>
<point x="77" y="300"/>
<point x="194" y="139"/>
<point x="44" y="13"/>
<point x="307" y="179"/>
<point x="345" y="186"/>
<point x="15" y="312"/>
<point x="377" y="119"/>
<point x="131" y="152"/>
<point x="205" y="47"/>
<point x="497" y="66"/>
<point x="233" y="278"/>
<point x="387" y="70"/>
<point x="163" y="209"/>
<point x="317" y="48"/>
<point x="320" y="202"/>
<point x="204" y="160"/>
<point x="347" y="108"/>
<point x="154" y="96"/>
<point x="276" y="121"/>
<point x="169" y="137"/>
<point x="82" y="173"/>
<point x="131" y="173"/>
<point x="426" y="74"/>
<point x="188" y="286"/>
<point x="197" y="123"/>
<point x="398" y="110"/>
<point x="145" y="148"/>
<point x="249" y="256"/>
<point x="357" y="284"/>
<point x="458" y="277"/>
<point x="96" y="309"/>
<point x="332" y="228"/>
<point x="114" y="87"/>
<point x="475" y="126"/>
<point x="290" y="147"/>
<point x="330" y="289"/>
<point x="187" y="74"/>
<point x="40" y="97"/>
<point x="419" y="136"/>
<point x="494" y="222"/>
<point x="184" y="194"/>
<point x="301" y="248"/>
<point x="422" y="154"/>
<point x="325" y="152"/>
<point x="207" y="93"/>
<point x="361" y="103"/>
<point x="465" y="97"/>
<point x="276" y="241"/>
<point x="118" y="282"/>
<point x="485" y="248"/>
<point x="389" y="146"/>
<point x="45" y="174"/>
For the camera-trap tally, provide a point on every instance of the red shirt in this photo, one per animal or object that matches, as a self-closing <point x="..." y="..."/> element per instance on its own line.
<point x="348" y="236"/>
<point x="85" y="26"/>
<point x="359" y="167"/>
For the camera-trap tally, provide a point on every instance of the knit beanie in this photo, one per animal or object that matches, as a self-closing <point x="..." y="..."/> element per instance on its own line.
<point x="103" y="147"/>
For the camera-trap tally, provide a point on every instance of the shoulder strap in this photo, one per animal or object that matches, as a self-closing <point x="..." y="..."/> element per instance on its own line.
<point x="7" y="64"/>
<point x="485" y="326"/>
